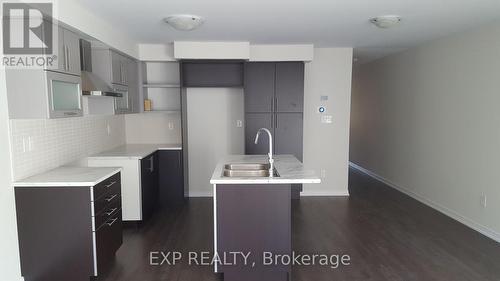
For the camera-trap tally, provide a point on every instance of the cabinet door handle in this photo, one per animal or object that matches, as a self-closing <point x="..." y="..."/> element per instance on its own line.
<point x="112" y="222"/>
<point x="122" y="74"/>
<point x="276" y="120"/>
<point x="108" y="213"/>
<point x="151" y="161"/>
<point x="111" y="184"/>
<point x="65" y="58"/>
<point x="111" y="197"/>
<point x="69" y="58"/>
<point x="276" y="104"/>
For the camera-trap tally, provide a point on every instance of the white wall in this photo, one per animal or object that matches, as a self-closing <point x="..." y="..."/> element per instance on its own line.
<point x="39" y="145"/>
<point x="427" y="120"/>
<point x="212" y="132"/>
<point x="9" y="255"/>
<point x="153" y="127"/>
<point x="326" y="146"/>
<point x="71" y="12"/>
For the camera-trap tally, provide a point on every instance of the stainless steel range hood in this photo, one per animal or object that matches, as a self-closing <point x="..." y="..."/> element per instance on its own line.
<point x="91" y="83"/>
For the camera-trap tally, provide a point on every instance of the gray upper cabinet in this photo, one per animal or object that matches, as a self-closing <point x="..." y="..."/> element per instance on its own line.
<point x="212" y="74"/>
<point x="274" y="87"/>
<point x="110" y="66"/>
<point x="72" y="45"/>
<point x="49" y="94"/>
<point x="259" y="87"/>
<point x="119" y="68"/>
<point x="134" y="86"/>
<point x="122" y="73"/>
<point x="68" y="52"/>
<point x="289" y="87"/>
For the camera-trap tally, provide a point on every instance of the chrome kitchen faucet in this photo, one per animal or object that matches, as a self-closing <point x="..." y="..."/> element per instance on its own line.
<point x="270" y="154"/>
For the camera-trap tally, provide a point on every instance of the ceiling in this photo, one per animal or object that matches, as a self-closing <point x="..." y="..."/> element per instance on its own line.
<point x="325" y="23"/>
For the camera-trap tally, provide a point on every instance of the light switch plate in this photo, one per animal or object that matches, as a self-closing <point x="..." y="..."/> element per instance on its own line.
<point x="239" y="123"/>
<point x="327" y="119"/>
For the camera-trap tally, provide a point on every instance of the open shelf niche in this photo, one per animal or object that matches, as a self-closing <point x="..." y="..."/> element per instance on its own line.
<point x="161" y="85"/>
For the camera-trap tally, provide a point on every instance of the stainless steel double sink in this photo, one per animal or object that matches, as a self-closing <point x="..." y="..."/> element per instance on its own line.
<point x="248" y="170"/>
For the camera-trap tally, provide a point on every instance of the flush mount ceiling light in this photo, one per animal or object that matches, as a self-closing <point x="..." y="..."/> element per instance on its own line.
<point x="386" y="21"/>
<point x="184" y="22"/>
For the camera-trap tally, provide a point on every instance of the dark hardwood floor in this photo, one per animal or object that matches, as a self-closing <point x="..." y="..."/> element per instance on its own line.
<point x="388" y="236"/>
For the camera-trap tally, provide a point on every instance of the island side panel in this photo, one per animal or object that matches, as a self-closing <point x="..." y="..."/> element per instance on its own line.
<point x="254" y="218"/>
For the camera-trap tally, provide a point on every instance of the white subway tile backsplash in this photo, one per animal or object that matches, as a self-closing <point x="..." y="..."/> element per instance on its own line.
<point x="55" y="142"/>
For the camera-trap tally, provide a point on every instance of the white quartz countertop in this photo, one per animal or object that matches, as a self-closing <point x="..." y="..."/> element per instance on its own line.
<point x="289" y="168"/>
<point x="68" y="176"/>
<point x="134" y="151"/>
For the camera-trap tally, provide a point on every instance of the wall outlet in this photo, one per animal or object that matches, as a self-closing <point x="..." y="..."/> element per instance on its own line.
<point x="170" y="125"/>
<point x="239" y="123"/>
<point x="323" y="173"/>
<point x="108" y="129"/>
<point x="483" y="201"/>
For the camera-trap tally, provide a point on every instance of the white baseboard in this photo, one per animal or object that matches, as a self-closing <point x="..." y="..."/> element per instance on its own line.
<point x="200" y="194"/>
<point x="324" y="193"/>
<point x="450" y="213"/>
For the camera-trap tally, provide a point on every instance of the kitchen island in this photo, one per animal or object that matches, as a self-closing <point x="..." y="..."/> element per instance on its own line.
<point x="252" y="215"/>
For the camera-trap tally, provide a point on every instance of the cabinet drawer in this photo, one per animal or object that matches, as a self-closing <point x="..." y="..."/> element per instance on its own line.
<point x="108" y="239"/>
<point x="103" y="187"/>
<point x="111" y="197"/>
<point x="107" y="213"/>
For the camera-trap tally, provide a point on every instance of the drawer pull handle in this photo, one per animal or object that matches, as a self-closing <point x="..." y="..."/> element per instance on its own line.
<point x="108" y="213"/>
<point x="111" y="197"/>
<point x="111" y="184"/>
<point x="110" y="223"/>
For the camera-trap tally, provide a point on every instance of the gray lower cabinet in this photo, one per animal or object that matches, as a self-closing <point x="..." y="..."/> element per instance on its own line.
<point x="149" y="185"/>
<point x="171" y="178"/>
<point x="253" y="122"/>
<point x="288" y="131"/>
<point x="68" y="233"/>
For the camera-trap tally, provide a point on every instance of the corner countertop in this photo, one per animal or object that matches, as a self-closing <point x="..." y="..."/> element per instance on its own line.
<point x="68" y="176"/>
<point x="134" y="151"/>
<point x="289" y="168"/>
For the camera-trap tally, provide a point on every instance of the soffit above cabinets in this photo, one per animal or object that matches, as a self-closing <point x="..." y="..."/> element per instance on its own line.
<point x="225" y="51"/>
<point x="212" y="50"/>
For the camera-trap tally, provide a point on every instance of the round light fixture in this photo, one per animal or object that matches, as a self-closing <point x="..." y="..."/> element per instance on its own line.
<point x="184" y="22"/>
<point x="386" y="21"/>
